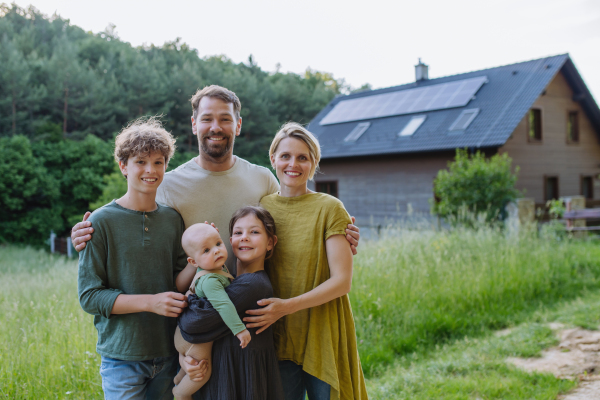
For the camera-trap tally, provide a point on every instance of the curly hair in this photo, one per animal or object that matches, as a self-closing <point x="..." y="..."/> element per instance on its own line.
<point x="144" y="136"/>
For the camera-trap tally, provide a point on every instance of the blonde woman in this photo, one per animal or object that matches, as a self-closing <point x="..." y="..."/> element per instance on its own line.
<point x="311" y="273"/>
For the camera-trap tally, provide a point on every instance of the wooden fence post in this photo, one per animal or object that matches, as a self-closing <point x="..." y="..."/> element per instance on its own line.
<point x="526" y="207"/>
<point x="69" y="247"/>
<point x="575" y="203"/>
<point x="521" y="215"/>
<point x="52" y="238"/>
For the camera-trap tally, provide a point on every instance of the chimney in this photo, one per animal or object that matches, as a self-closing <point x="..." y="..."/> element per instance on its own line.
<point x="421" y="71"/>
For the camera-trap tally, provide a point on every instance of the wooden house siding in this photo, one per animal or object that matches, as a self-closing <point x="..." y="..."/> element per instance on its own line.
<point x="553" y="156"/>
<point x="377" y="190"/>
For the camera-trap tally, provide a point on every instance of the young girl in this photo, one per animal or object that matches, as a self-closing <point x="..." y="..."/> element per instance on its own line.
<point x="311" y="272"/>
<point x="207" y="253"/>
<point x="251" y="373"/>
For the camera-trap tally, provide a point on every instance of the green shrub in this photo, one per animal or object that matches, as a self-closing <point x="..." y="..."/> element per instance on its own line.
<point x="474" y="184"/>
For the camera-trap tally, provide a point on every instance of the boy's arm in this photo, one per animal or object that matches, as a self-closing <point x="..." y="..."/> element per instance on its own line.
<point x="95" y="296"/>
<point x="215" y="293"/>
<point x="169" y="304"/>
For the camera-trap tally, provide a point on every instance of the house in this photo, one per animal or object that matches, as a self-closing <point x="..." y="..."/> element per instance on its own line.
<point x="382" y="149"/>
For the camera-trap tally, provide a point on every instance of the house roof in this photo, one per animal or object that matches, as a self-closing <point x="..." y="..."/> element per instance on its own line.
<point x="502" y="102"/>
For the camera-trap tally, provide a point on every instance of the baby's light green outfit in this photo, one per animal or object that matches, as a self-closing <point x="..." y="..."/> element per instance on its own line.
<point x="212" y="286"/>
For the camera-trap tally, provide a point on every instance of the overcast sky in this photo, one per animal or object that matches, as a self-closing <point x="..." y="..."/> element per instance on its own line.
<point x="375" y="41"/>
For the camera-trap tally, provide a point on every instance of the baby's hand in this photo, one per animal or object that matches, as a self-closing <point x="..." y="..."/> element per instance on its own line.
<point x="244" y="337"/>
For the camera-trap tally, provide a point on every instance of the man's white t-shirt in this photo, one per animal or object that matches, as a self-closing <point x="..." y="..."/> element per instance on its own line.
<point x="200" y="195"/>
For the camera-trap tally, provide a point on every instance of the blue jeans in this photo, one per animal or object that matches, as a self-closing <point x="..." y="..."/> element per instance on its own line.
<point x="297" y="383"/>
<point x="138" y="380"/>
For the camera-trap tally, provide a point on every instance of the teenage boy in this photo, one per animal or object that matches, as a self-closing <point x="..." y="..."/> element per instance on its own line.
<point x="127" y="272"/>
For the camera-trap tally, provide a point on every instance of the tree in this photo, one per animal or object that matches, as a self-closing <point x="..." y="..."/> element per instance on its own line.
<point x="77" y="168"/>
<point x="28" y="194"/>
<point x="475" y="184"/>
<point x="14" y="78"/>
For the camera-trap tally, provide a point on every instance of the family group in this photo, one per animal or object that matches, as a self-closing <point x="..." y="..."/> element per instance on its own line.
<point x="216" y="280"/>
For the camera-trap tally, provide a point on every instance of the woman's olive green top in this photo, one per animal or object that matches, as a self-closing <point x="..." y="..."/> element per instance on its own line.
<point x="322" y="339"/>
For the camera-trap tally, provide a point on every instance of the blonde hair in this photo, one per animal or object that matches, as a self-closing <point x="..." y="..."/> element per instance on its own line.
<point x="144" y="136"/>
<point x="217" y="92"/>
<point x="297" y="131"/>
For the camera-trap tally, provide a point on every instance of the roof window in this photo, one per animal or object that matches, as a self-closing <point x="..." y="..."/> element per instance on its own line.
<point x="357" y="132"/>
<point x="412" y="126"/>
<point x="464" y="119"/>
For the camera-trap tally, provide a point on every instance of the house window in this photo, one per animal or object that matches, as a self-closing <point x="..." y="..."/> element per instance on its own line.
<point x="357" y="132"/>
<point x="587" y="187"/>
<point x="413" y="125"/>
<point x="573" y="127"/>
<point x="534" y="129"/>
<point x="551" y="188"/>
<point x="464" y="119"/>
<point x="329" y="187"/>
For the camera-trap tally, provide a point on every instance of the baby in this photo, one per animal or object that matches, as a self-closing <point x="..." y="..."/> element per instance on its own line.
<point x="206" y="251"/>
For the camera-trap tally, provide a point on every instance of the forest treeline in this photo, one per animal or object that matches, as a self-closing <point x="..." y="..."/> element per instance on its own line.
<point x="66" y="92"/>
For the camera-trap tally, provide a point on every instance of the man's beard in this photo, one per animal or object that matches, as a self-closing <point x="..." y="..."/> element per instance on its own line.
<point x="215" y="151"/>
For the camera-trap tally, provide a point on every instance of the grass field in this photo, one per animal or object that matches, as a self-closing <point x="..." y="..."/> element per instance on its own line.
<point x="47" y="343"/>
<point x="475" y="368"/>
<point x="418" y="289"/>
<point x="415" y="297"/>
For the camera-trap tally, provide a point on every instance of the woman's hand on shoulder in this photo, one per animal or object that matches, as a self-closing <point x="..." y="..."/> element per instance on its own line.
<point x="273" y="309"/>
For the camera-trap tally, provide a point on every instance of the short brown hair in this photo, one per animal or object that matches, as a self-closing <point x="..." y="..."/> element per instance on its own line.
<point x="218" y="92"/>
<point x="263" y="216"/>
<point x="297" y="131"/>
<point x="144" y="136"/>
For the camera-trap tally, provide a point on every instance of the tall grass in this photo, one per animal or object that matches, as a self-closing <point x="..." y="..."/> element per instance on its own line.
<point x="411" y="291"/>
<point x="47" y="343"/>
<point x="415" y="289"/>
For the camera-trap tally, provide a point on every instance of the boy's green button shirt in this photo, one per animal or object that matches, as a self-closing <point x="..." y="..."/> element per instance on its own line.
<point x="131" y="252"/>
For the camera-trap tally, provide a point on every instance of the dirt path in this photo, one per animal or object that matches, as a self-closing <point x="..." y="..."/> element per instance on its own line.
<point x="576" y="357"/>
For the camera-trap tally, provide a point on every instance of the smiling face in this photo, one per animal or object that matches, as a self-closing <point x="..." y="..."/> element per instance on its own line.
<point x="144" y="172"/>
<point x="293" y="165"/>
<point x="216" y="127"/>
<point x="250" y="241"/>
<point x="205" y="247"/>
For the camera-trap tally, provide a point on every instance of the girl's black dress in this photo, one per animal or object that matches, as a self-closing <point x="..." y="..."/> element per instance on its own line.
<point x="238" y="374"/>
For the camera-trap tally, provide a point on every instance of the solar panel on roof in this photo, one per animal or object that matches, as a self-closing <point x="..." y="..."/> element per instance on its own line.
<point x="428" y="98"/>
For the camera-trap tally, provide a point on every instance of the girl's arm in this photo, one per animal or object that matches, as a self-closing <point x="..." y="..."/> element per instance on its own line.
<point x="339" y="257"/>
<point x="184" y="279"/>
